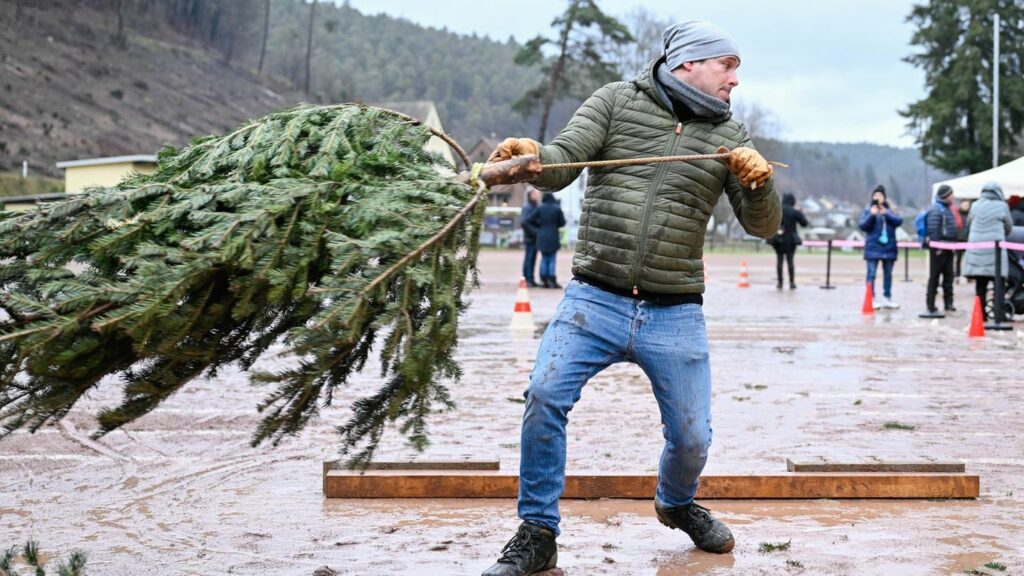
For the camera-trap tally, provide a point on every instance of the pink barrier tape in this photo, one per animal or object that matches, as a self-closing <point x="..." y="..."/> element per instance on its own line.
<point x="848" y="243"/>
<point x="908" y="244"/>
<point x="962" y="245"/>
<point x="815" y="243"/>
<point x="1011" y="245"/>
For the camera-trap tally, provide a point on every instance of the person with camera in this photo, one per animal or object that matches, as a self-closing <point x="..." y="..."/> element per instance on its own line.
<point x="879" y="221"/>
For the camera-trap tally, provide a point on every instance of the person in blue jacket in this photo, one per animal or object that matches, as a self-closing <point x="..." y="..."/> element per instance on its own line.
<point x="548" y="219"/>
<point x="879" y="221"/>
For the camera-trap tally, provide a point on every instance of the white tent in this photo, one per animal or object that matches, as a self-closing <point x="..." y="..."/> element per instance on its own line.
<point x="1010" y="176"/>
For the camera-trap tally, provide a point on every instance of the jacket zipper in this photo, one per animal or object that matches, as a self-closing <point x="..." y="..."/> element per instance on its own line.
<point x="652" y="192"/>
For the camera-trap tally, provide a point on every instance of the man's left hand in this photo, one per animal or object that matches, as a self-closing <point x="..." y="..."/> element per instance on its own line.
<point x="748" y="165"/>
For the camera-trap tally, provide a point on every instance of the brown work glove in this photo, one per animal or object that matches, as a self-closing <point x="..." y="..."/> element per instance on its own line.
<point x="748" y="165"/>
<point x="512" y="147"/>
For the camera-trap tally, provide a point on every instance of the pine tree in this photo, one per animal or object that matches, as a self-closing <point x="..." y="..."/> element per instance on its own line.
<point x="579" y="68"/>
<point x="953" y="123"/>
<point x="326" y="227"/>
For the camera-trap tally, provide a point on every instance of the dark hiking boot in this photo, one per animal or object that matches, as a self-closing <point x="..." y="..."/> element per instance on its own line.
<point x="707" y="533"/>
<point x="950" y="308"/>
<point x="532" y="550"/>
<point x="554" y="282"/>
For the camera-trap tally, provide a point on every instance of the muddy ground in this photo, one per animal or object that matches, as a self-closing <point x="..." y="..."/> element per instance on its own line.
<point x="798" y="374"/>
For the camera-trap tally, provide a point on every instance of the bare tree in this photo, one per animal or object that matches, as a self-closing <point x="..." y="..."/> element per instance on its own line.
<point x="309" y="43"/>
<point x="119" y="39"/>
<point x="266" y="31"/>
<point x="759" y="121"/>
<point x="647" y="30"/>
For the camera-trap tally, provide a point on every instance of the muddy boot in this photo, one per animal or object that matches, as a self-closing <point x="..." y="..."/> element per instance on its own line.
<point x="707" y="533"/>
<point x="530" y="551"/>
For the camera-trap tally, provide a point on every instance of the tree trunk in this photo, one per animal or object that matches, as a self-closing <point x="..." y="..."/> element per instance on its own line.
<point x="266" y="30"/>
<point x="119" y="38"/>
<point x="309" y="43"/>
<point x="556" y="75"/>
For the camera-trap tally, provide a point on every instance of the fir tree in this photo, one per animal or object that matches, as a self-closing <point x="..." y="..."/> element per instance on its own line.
<point x="578" y="68"/>
<point x="953" y="123"/>
<point x="326" y="227"/>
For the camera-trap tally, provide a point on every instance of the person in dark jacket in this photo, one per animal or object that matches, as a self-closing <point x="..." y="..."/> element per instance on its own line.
<point x="880" y="222"/>
<point x="786" y="241"/>
<point x="941" y="228"/>
<point x="530" y="236"/>
<point x="548" y="219"/>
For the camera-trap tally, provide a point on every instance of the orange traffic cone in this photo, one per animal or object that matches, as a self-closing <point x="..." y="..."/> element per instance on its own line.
<point x="977" y="329"/>
<point x="522" y="315"/>
<point x="869" y="301"/>
<point x="744" y="282"/>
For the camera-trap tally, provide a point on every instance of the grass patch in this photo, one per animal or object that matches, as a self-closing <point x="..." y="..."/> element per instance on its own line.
<point x="755" y="386"/>
<point x="769" y="547"/>
<point x="897" y="426"/>
<point x="12" y="184"/>
<point x="516" y="400"/>
<point x="996" y="566"/>
<point x="858" y="403"/>
<point x="794" y="564"/>
<point x="740" y="398"/>
<point x="804" y="394"/>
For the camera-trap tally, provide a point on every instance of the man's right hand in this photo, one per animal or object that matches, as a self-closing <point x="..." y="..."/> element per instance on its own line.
<point x="512" y="147"/>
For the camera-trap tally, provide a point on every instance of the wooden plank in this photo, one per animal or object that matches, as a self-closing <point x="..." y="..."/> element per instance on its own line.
<point x="875" y="466"/>
<point x="422" y="465"/>
<point x="457" y="484"/>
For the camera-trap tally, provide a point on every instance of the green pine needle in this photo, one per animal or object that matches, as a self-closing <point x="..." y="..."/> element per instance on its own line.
<point x="328" y="228"/>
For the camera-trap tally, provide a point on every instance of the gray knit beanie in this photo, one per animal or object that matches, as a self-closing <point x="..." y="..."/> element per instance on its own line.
<point x="696" y="40"/>
<point x="944" y="191"/>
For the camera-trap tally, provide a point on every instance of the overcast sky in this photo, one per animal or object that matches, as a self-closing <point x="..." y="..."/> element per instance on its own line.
<point x="829" y="70"/>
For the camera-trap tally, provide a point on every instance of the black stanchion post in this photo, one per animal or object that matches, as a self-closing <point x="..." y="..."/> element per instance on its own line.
<point x="906" y="263"/>
<point x="828" y="269"/>
<point x="999" y="313"/>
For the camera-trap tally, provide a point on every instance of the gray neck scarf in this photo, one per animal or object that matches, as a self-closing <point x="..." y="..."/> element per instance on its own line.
<point x="702" y="104"/>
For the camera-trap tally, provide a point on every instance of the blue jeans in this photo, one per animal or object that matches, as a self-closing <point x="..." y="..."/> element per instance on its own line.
<point x="547" y="264"/>
<point x="886" y="275"/>
<point x="530" y="261"/>
<point x="591" y="330"/>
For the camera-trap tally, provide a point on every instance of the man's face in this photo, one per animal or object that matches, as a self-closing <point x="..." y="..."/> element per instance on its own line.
<point x="534" y="196"/>
<point x="715" y="77"/>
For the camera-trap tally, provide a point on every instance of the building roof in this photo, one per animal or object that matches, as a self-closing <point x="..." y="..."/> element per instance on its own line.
<point x="142" y="158"/>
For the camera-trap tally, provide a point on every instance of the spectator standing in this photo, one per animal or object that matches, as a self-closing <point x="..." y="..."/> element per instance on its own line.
<point x="960" y="215"/>
<point x="548" y="219"/>
<point x="879" y="221"/>
<point x="530" y="236"/>
<point x="988" y="220"/>
<point x="941" y="228"/>
<point x="1016" y="210"/>
<point x="787" y="239"/>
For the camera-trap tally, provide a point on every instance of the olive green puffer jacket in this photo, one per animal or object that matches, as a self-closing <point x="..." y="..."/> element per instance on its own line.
<point x="642" y="227"/>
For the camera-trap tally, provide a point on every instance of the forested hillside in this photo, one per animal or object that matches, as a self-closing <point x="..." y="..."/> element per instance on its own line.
<point x="87" y="78"/>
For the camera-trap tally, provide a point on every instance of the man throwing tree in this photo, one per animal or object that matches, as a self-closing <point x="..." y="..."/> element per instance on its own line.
<point x="638" y="275"/>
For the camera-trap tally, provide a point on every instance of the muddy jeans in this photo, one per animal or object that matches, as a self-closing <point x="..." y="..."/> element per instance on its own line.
<point x="591" y="330"/>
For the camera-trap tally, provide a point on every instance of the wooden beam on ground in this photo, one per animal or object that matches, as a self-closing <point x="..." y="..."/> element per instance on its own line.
<point x="421" y="465"/>
<point x="465" y="484"/>
<point x="875" y="466"/>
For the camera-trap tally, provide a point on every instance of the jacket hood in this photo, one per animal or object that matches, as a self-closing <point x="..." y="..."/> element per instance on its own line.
<point x="548" y="198"/>
<point x="992" y="190"/>
<point x="645" y="82"/>
<point x="788" y="199"/>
